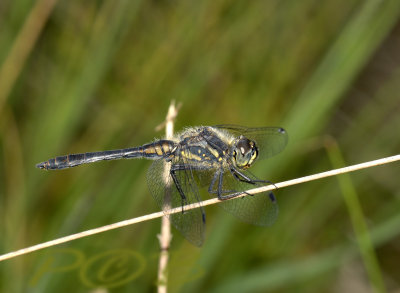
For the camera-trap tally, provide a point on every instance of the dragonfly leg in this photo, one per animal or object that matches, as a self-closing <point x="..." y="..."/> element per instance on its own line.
<point x="179" y="167"/>
<point x="213" y="180"/>
<point x="178" y="186"/>
<point x="232" y="193"/>
<point x="243" y="178"/>
<point x="219" y="191"/>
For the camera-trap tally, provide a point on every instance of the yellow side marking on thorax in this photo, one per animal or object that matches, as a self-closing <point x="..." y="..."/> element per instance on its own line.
<point x="191" y="156"/>
<point x="214" y="152"/>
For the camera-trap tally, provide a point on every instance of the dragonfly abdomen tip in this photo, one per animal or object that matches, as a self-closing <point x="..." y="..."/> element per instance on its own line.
<point x="43" y="165"/>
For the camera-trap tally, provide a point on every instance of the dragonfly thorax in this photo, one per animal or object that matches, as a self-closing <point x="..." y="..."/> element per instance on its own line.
<point x="244" y="152"/>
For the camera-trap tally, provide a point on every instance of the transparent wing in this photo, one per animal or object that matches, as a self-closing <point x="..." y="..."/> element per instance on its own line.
<point x="269" y="140"/>
<point x="260" y="209"/>
<point x="190" y="223"/>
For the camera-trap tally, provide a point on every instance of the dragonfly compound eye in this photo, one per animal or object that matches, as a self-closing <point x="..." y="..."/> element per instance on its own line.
<point x="245" y="152"/>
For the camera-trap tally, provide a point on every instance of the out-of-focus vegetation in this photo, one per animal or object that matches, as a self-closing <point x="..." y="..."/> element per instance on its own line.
<point x="97" y="75"/>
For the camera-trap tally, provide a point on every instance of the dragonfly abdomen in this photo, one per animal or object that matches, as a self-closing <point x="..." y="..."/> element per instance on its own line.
<point x="68" y="161"/>
<point x="154" y="150"/>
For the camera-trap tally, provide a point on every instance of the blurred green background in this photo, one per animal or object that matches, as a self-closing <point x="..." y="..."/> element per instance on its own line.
<point x="79" y="76"/>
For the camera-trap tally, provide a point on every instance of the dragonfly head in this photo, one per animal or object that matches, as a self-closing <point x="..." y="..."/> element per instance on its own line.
<point x="244" y="152"/>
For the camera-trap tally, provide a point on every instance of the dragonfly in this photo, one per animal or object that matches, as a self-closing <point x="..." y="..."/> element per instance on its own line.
<point x="215" y="158"/>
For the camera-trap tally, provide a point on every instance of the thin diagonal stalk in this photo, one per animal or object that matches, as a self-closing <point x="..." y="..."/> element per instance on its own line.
<point x="203" y="203"/>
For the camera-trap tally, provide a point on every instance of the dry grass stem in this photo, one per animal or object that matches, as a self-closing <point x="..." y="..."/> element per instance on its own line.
<point x="165" y="236"/>
<point x="203" y="203"/>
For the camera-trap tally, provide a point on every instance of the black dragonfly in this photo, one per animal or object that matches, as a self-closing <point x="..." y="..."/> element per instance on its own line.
<point x="215" y="157"/>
